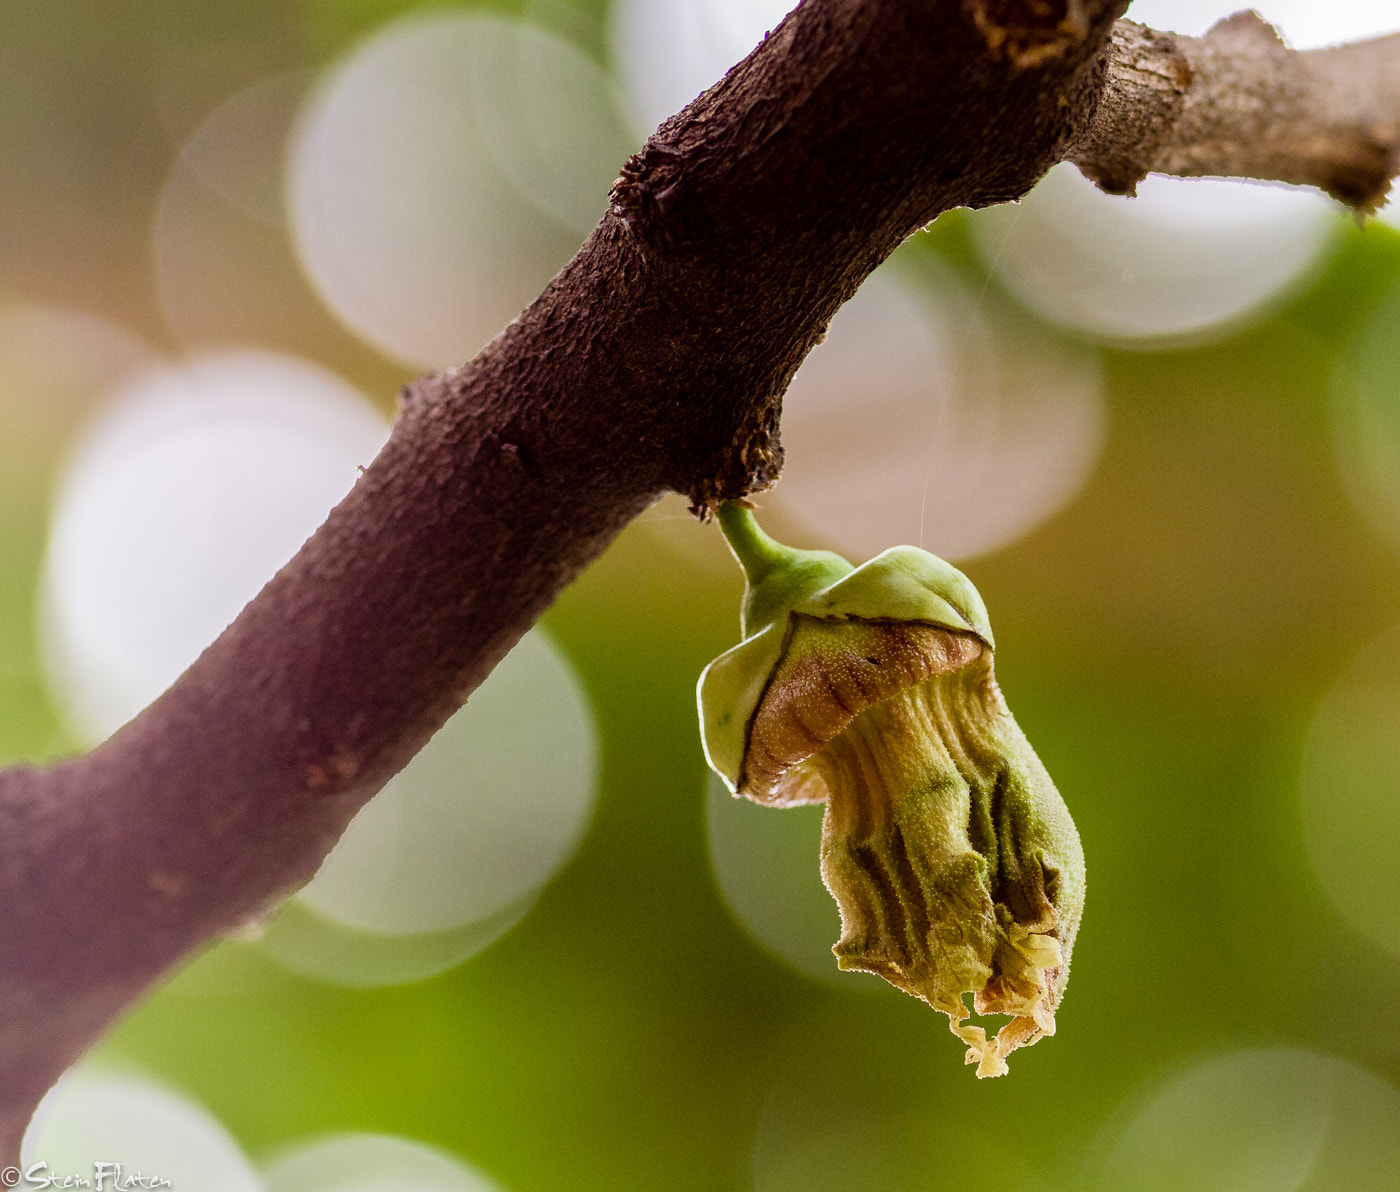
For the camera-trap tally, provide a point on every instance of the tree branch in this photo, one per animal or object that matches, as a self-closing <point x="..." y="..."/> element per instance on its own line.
<point x="656" y="360"/>
<point x="1239" y="103"/>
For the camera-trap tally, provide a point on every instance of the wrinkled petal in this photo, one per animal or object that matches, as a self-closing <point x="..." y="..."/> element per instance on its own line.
<point x="954" y="862"/>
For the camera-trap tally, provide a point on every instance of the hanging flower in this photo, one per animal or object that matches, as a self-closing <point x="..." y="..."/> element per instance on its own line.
<point x="953" y="859"/>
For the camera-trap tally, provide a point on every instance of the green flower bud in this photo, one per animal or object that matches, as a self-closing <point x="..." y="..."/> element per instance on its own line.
<point x="954" y="861"/>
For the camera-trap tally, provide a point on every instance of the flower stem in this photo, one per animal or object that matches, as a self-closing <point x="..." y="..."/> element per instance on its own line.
<point x="778" y="576"/>
<point x="758" y="554"/>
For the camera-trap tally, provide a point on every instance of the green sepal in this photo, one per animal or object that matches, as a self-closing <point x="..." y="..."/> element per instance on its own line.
<point x="903" y="583"/>
<point x="728" y="692"/>
<point x="776" y="576"/>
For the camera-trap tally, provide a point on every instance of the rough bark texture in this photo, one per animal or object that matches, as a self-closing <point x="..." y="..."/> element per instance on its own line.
<point x="1239" y="102"/>
<point x="656" y="360"/>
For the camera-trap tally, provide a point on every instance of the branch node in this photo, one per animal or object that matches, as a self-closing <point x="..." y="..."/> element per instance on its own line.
<point x="1238" y="103"/>
<point x="1144" y="92"/>
<point x="1028" y="33"/>
<point x="638" y="196"/>
<point x="750" y="465"/>
<point x="630" y="198"/>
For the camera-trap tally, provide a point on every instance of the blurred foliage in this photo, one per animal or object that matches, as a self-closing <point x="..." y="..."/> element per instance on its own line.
<point x="1164" y="641"/>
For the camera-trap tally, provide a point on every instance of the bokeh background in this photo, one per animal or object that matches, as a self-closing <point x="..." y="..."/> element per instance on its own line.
<point x="1162" y="437"/>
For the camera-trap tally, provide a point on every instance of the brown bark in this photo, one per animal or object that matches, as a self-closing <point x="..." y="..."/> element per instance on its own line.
<point x="656" y="360"/>
<point x="1239" y="103"/>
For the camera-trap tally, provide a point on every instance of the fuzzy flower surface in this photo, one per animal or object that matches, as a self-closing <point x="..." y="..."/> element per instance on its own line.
<point x="952" y="857"/>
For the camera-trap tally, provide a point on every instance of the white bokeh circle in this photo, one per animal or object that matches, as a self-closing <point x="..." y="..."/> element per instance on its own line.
<point x="443" y="172"/>
<point x="238" y="151"/>
<point x="1257" y="1121"/>
<point x="669" y="51"/>
<point x="920" y="419"/>
<point x="91" y="1118"/>
<point x="55" y="362"/>
<point x="370" y="1163"/>
<point x="224" y="268"/>
<point x="551" y="118"/>
<point x="1351" y="792"/>
<point x="455" y="849"/>
<point x="186" y="496"/>
<point x="1187" y="259"/>
<point x="767" y="866"/>
<point x="301" y="940"/>
<point x="194" y="486"/>
<point x="485" y="814"/>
